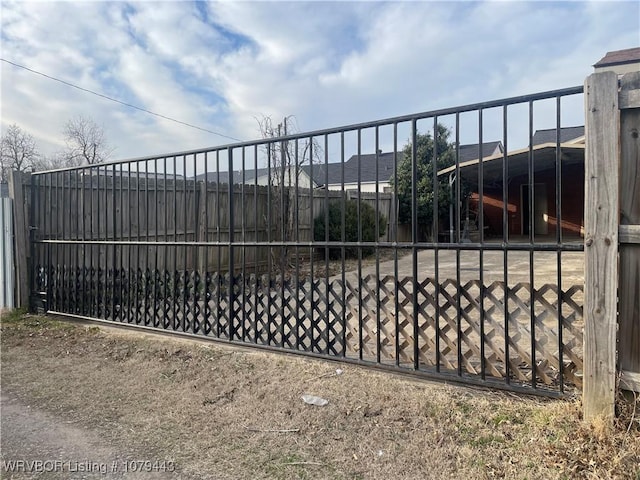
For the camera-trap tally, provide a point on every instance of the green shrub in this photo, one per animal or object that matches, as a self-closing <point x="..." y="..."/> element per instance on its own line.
<point x="367" y="223"/>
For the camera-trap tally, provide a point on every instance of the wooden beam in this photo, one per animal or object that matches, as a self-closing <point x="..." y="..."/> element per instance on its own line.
<point x="629" y="300"/>
<point x="21" y="236"/>
<point x="602" y="131"/>
<point x="630" y="97"/>
<point x="629" y="233"/>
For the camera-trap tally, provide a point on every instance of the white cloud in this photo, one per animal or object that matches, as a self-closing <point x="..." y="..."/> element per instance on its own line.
<point x="328" y="64"/>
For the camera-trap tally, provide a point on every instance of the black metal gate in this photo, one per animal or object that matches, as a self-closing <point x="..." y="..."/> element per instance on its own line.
<point x="446" y="244"/>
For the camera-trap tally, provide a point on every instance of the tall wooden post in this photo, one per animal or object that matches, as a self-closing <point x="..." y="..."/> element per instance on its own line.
<point x="601" y="214"/>
<point x="629" y="292"/>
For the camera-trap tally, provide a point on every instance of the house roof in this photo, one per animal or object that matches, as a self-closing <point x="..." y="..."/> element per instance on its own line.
<point x="567" y="134"/>
<point x="543" y="147"/>
<point x="331" y="173"/>
<point x="469" y="152"/>
<point x="544" y="158"/>
<point x="619" y="57"/>
<point x="250" y="174"/>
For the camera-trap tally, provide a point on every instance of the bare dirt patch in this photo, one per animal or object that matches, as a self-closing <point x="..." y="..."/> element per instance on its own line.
<point x="223" y="412"/>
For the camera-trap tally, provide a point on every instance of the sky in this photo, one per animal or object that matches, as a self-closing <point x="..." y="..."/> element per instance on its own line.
<point x="221" y="66"/>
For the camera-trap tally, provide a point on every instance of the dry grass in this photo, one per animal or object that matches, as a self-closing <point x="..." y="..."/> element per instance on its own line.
<point x="224" y="412"/>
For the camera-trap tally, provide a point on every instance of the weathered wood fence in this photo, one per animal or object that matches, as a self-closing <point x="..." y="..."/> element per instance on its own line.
<point x="128" y="207"/>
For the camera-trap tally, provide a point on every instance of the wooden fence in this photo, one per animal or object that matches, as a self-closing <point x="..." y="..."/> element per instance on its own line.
<point x="126" y="208"/>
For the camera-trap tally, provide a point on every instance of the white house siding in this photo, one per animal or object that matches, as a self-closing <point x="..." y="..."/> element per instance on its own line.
<point x="364" y="187"/>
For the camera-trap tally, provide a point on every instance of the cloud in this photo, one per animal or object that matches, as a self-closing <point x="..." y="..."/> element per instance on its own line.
<point x="220" y="65"/>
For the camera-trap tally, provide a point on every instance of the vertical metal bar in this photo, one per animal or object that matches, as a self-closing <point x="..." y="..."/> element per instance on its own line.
<point x="458" y="276"/>
<point x="284" y="219"/>
<point x="396" y="289"/>
<point x="73" y="235"/>
<point x="219" y="240"/>
<point x="124" y="313"/>
<point x="130" y="248"/>
<point x="166" y="277"/>
<point x="359" y="247"/>
<point x="114" y="217"/>
<point x="312" y="319"/>
<point x="458" y="241"/>
<point x="106" y="247"/>
<point x="231" y="287"/>
<point x="327" y="310"/>
<point x="138" y="273"/>
<point x="71" y="248"/>
<point x="85" y="287"/>
<point x="299" y="321"/>
<point x="176" y="274"/>
<point x="531" y="257"/>
<point x="531" y="185"/>
<point x="269" y="239"/>
<point x="558" y="197"/>
<point x="458" y="181"/>
<point x="434" y="230"/>
<point x="147" y="237"/>
<point x="102" y="249"/>
<point x="414" y="241"/>
<point x="243" y="194"/>
<point x="195" y="327"/>
<point x="185" y="290"/>
<point x="377" y="247"/>
<point x="257" y="285"/>
<point x="48" y="220"/>
<point x="342" y="248"/>
<point x="483" y="364"/>
<point x="156" y="273"/>
<point x="505" y="242"/>
<point x="207" y="285"/>
<point x="63" y="295"/>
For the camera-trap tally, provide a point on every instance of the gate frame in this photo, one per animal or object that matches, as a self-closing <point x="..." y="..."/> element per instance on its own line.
<point x="612" y="122"/>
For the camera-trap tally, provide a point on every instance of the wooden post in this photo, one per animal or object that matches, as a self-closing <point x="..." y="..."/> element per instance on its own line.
<point x="21" y="235"/>
<point x="629" y="299"/>
<point x="602" y="131"/>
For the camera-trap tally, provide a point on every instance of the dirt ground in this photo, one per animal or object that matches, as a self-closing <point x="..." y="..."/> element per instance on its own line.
<point x="91" y="396"/>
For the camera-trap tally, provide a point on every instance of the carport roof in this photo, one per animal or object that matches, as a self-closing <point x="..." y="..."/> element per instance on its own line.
<point x="543" y="157"/>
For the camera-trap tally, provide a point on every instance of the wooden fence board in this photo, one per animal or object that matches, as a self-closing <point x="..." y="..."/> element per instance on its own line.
<point x="601" y="244"/>
<point x="629" y="302"/>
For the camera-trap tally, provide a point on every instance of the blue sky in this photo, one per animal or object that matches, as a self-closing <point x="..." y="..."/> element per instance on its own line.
<point x="222" y="65"/>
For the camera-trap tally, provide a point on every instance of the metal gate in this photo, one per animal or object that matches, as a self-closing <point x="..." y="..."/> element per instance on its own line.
<point x="446" y="244"/>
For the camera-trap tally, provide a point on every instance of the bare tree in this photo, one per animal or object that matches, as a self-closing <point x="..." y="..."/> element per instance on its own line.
<point x="286" y="157"/>
<point x="17" y="151"/>
<point x="57" y="160"/>
<point x="86" y="142"/>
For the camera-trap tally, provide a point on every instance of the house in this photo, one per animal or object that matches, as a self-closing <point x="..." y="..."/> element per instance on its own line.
<point x="620" y="61"/>
<point x="543" y="155"/>
<point x="260" y="176"/>
<point x="331" y="174"/>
